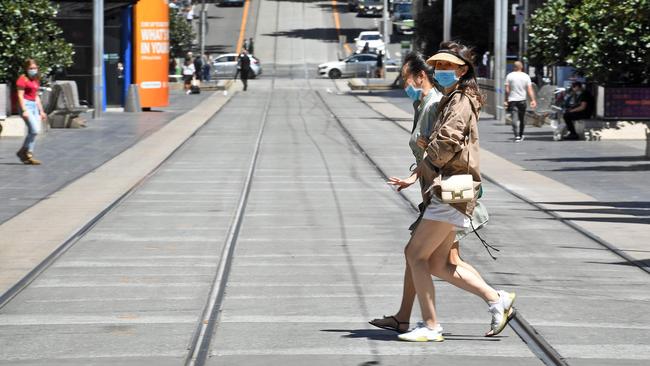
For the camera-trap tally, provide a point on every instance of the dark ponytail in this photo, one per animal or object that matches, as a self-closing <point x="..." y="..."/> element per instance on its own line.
<point x="417" y="63"/>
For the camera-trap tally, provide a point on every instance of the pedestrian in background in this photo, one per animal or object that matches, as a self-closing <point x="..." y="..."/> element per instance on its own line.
<point x="189" y="13"/>
<point x="207" y="66"/>
<point x="243" y="68"/>
<point x="379" y="66"/>
<point x="580" y="107"/>
<point x="188" y="74"/>
<point x="198" y="67"/>
<point x="251" y="46"/>
<point x="518" y="83"/>
<point x="31" y="110"/>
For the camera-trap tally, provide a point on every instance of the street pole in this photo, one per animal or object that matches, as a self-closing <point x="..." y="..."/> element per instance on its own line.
<point x="446" y="22"/>
<point x="386" y="37"/>
<point x="500" y="46"/>
<point x="98" y="57"/>
<point x="521" y="36"/>
<point x="525" y="31"/>
<point x="202" y="20"/>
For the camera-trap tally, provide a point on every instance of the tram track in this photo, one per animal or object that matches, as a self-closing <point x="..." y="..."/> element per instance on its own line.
<point x="69" y="243"/>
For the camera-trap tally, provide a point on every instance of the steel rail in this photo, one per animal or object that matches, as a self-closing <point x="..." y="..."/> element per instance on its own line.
<point x="17" y="288"/>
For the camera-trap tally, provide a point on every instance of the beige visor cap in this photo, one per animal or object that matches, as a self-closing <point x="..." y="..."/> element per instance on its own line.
<point x="444" y="56"/>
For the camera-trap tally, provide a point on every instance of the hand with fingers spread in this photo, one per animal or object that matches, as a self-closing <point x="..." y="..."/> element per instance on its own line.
<point x="422" y="142"/>
<point x="402" y="183"/>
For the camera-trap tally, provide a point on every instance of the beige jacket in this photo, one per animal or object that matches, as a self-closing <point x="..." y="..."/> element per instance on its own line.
<point x="455" y="134"/>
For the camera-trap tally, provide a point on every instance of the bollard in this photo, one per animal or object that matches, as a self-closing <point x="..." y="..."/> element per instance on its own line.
<point x="4" y="100"/>
<point x="368" y="76"/>
<point x="132" y="103"/>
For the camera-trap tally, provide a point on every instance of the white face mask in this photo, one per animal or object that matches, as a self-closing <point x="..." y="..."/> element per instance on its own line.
<point x="32" y="72"/>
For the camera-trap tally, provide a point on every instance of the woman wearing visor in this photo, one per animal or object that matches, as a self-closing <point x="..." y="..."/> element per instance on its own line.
<point x="425" y="93"/>
<point x="452" y="149"/>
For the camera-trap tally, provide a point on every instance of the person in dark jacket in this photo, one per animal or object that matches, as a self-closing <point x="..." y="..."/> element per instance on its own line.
<point x="379" y="67"/>
<point x="244" y="66"/>
<point x="198" y="68"/>
<point x="581" y="108"/>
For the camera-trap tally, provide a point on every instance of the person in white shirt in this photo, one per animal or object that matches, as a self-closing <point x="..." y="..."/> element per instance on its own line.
<point x="189" y="16"/>
<point x="518" y="83"/>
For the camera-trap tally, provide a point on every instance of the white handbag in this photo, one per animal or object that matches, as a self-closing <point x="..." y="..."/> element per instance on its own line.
<point x="457" y="188"/>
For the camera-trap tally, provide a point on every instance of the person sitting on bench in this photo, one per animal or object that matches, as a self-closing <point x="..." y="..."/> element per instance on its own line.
<point x="580" y="108"/>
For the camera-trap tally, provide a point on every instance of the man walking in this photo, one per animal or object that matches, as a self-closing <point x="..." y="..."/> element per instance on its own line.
<point x="518" y="83"/>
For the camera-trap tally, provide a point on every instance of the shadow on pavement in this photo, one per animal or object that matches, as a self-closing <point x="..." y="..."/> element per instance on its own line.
<point x="606" y="168"/>
<point x="645" y="263"/>
<point x="386" y="335"/>
<point x="323" y="34"/>
<point x="593" y="159"/>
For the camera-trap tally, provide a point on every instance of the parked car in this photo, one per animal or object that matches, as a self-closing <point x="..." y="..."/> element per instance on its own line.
<point x="230" y="3"/>
<point x="370" y="7"/>
<point x="373" y="38"/>
<point x="355" y="65"/>
<point x="225" y="66"/>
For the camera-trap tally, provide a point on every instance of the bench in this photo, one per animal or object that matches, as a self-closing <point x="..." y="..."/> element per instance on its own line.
<point x="63" y="106"/>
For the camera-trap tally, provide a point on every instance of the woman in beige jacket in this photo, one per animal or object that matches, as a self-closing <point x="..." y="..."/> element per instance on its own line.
<point x="453" y="149"/>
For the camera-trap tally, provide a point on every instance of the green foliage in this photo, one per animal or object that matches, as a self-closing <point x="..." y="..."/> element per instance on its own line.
<point x="28" y="30"/>
<point x="607" y="40"/>
<point x="181" y="34"/>
<point x="549" y="42"/>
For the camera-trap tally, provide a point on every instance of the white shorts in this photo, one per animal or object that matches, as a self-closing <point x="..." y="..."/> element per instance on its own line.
<point x="438" y="211"/>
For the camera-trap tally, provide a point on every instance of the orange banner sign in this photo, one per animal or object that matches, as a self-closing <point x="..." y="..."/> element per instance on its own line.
<point x="151" y="51"/>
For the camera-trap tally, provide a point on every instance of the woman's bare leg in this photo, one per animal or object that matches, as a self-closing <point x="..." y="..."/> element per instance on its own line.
<point x="463" y="275"/>
<point x="428" y="236"/>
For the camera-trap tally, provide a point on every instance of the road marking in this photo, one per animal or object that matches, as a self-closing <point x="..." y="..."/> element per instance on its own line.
<point x="242" y="29"/>
<point x="337" y="24"/>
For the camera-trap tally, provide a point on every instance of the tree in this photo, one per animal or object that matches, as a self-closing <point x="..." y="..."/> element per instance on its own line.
<point x="28" y="30"/>
<point x="549" y="41"/>
<point x="606" y="40"/>
<point x="181" y="34"/>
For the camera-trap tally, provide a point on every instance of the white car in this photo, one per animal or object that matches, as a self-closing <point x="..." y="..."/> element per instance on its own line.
<point x="225" y="66"/>
<point x="374" y="39"/>
<point x="355" y="65"/>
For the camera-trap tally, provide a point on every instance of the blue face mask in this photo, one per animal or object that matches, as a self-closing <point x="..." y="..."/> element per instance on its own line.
<point x="31" y="73"/>
<point x="413" y="93"/>
<point x="446" y="78"/>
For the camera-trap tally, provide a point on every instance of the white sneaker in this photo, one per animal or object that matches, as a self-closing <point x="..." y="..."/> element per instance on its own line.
<point x="500" y="311"/>
<point x="438" y="327"/>
<point x="422" y="334"/>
